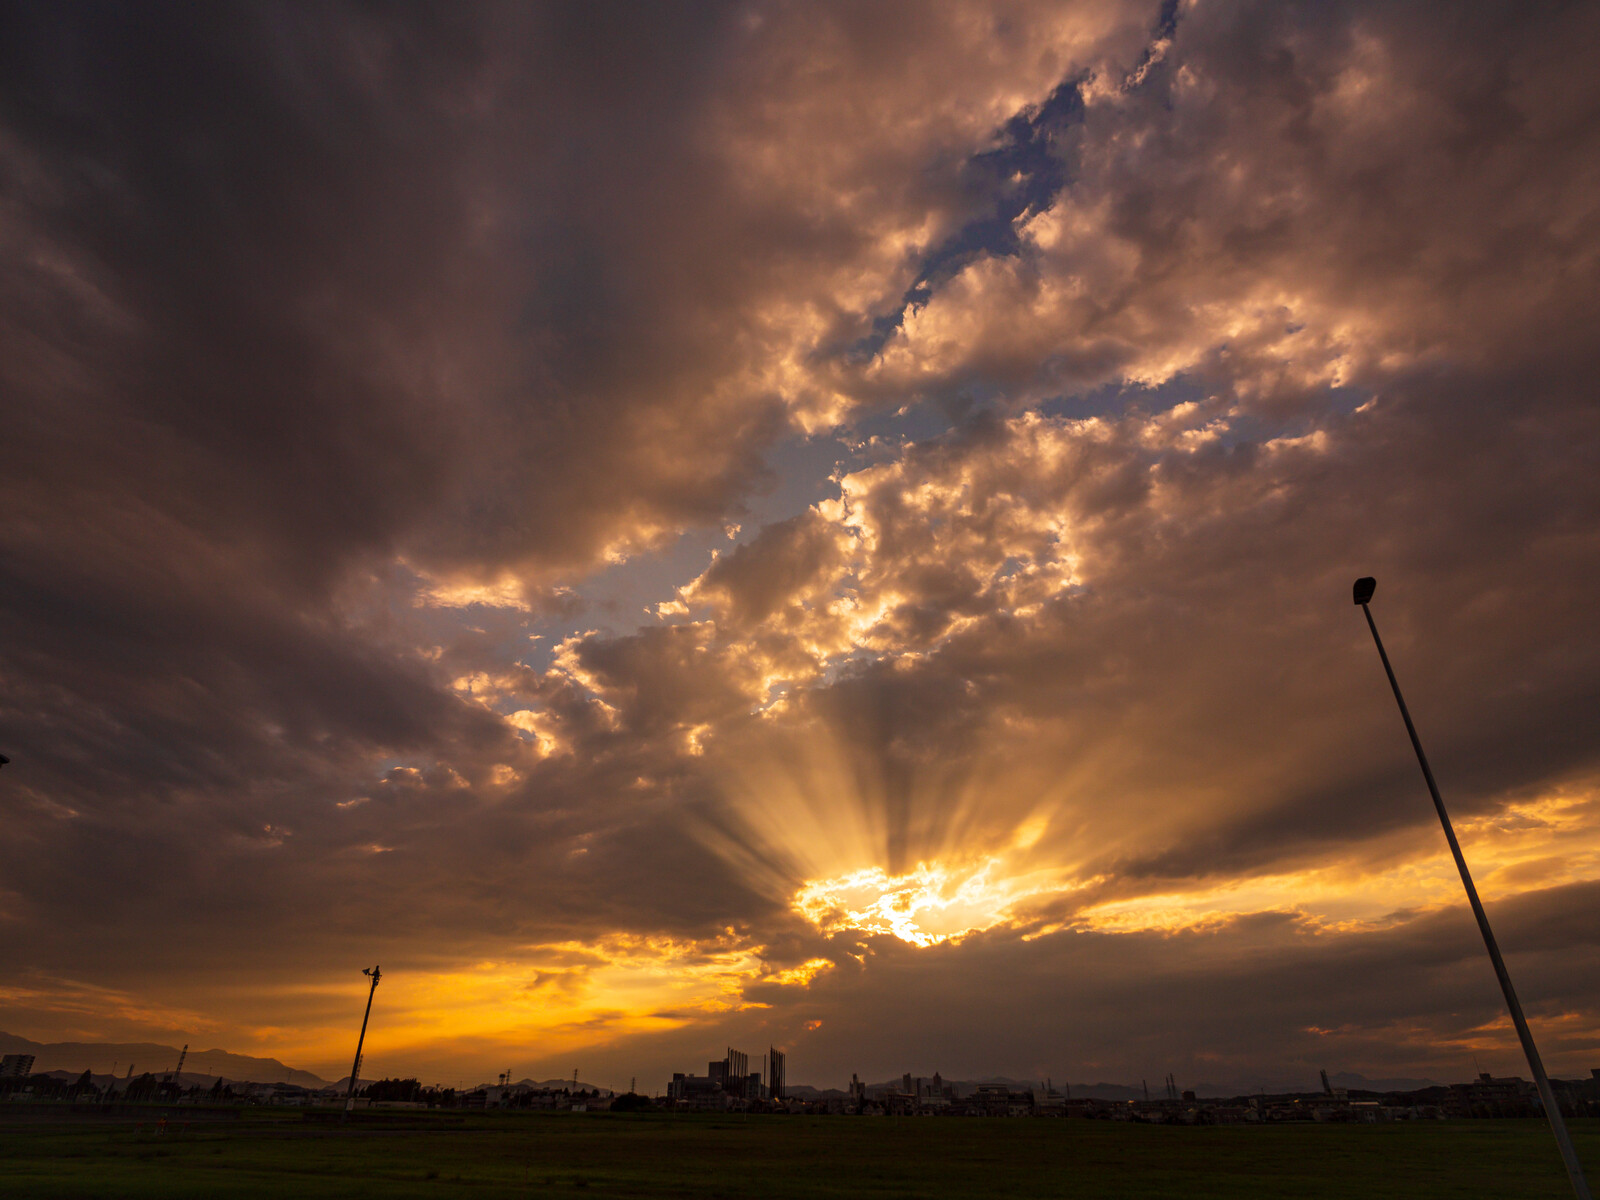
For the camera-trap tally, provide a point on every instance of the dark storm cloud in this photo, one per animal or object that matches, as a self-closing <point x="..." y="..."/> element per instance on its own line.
<point x="295" y="294"/>
<point x="349" y="279"/>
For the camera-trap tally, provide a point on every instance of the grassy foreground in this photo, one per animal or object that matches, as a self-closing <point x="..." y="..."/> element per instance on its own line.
<point x="601" y="1155"/>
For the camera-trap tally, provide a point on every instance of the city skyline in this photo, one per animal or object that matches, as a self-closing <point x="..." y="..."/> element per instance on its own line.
<point x="822" y="527"/>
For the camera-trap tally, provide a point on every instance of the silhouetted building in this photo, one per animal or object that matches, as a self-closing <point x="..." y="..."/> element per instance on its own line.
<point x="1487" y="1096"/>
<point x="697" y="1091"/>
<point x="777" y="1073"/>
<point x="990" y="1100"/>
<point x="725" y="1080"/>
<point x="1047" y="1101"/>
<point x="732" y="1075"/>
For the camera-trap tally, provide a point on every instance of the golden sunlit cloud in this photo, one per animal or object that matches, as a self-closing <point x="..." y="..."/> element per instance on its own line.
<point x="507" y="592"/>
<point x="1540" y="842"/>
<point x="801" y="975"/>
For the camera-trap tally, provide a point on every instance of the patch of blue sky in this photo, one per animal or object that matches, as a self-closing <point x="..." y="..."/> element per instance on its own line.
<point x="1028" y="167"/>
<point x="803" y="474"/>
<point x="623" y="596"/>
<point x="1023" y="173"/>
<point x="1011" y="566"/>
<point x="919" y="421"/>
<point x="1113" y="400"/>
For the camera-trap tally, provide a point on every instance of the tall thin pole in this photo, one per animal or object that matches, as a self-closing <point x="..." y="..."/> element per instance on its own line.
<point x="1552" y="1109"/>
<point x="355" y="1067"/>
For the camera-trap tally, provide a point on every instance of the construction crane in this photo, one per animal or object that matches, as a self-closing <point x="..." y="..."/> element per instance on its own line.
<point x="178" y="1071"/>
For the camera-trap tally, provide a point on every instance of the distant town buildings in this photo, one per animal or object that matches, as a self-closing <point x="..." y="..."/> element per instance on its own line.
<point x="1487" y="1096"/>
<point x="915" y="1096"/>
<point x="730" y="1085"/>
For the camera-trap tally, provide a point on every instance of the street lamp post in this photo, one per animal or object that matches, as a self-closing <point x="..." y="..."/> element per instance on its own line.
<point x="1363" y="593"/>
<point x="355" y="1067"/>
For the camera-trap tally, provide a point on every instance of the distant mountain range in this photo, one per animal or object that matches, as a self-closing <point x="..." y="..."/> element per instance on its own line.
<point x="201" y="1068"/>
<point x="103" y="1058"/>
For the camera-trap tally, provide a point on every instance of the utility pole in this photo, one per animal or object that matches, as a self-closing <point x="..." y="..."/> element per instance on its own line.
<point x="355" y="1067"/>
<point x="1552" y="1109"/>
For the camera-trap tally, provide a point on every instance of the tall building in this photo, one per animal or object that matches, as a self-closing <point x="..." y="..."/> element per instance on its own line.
<point x="777" y="1068"/>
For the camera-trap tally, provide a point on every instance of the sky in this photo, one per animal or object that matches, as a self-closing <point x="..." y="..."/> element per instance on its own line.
<point x="816" y="525"/>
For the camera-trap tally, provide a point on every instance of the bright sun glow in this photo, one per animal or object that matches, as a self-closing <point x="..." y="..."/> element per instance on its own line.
<point x="926" y="906"/>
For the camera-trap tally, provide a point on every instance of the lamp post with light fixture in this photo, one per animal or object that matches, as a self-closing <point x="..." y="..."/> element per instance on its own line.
<point x="355" y="1067"/>
<point x="1363" y="594"/>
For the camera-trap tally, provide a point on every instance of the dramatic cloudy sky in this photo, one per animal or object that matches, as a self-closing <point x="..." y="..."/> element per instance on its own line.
<point x="820" y="525"/>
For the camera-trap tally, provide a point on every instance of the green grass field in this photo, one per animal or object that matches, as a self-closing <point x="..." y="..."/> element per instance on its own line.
<point x="278" y="1154"/>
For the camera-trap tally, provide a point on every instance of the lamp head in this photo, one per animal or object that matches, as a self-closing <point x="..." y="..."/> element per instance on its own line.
<point x="1364" y="589"/>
